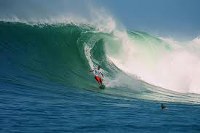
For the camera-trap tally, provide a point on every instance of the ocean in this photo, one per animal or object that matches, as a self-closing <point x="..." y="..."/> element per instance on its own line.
<point x="46" y="86"/>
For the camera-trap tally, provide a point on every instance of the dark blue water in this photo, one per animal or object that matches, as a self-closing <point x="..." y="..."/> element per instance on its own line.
<point x="66" y="109"/>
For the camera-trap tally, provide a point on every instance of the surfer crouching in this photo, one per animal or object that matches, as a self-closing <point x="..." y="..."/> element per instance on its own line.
<point x="98" y="75"/>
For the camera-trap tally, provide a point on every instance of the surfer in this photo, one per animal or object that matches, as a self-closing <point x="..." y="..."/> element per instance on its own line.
<point x="98" y="75"/>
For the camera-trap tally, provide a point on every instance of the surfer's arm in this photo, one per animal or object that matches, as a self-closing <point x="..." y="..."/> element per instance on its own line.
<point x="102" y="74"/>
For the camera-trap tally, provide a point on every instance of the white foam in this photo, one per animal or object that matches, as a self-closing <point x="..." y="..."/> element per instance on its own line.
<point x="97" y="18"/>
<point x="176" y="69"/>
<point x="196" y="41"/>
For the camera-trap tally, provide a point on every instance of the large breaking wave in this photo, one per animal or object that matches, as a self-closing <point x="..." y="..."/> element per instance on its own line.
<point x="135" y="64"/>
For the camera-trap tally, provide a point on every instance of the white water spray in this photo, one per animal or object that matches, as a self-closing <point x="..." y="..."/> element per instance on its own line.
<point x="176" y="68"/>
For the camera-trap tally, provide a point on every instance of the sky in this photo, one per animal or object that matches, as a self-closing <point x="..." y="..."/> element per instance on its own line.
<point x="171" y="18"/>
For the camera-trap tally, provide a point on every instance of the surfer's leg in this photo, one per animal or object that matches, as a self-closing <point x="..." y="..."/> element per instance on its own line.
<point x="97" y="79"/>
<point x="100" y="81"/>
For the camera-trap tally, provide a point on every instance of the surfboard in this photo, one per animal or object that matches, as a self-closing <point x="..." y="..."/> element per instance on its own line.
<point x="102" y="86"/>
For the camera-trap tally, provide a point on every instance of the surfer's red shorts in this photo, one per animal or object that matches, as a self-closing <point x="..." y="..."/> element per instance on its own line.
<point x="98" y="79"/>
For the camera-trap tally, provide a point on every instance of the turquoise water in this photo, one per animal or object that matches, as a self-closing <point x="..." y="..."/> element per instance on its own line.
<point x="45" y="85"/>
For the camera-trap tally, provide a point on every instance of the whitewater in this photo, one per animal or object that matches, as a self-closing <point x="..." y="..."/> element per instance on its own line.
<point x="45" y="84"/>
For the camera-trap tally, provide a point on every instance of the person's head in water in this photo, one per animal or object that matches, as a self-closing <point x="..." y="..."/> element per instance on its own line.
<point x="98" y="67"/>
<point x="163" y="106"/>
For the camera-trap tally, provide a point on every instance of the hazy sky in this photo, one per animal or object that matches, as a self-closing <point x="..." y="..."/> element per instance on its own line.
<point x="176" y="18"/>
<point x="172" y="18"/>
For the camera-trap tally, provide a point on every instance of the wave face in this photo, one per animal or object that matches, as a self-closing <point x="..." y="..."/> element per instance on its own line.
<point x="135" y="64"/>
<point x="54" y="52"/>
